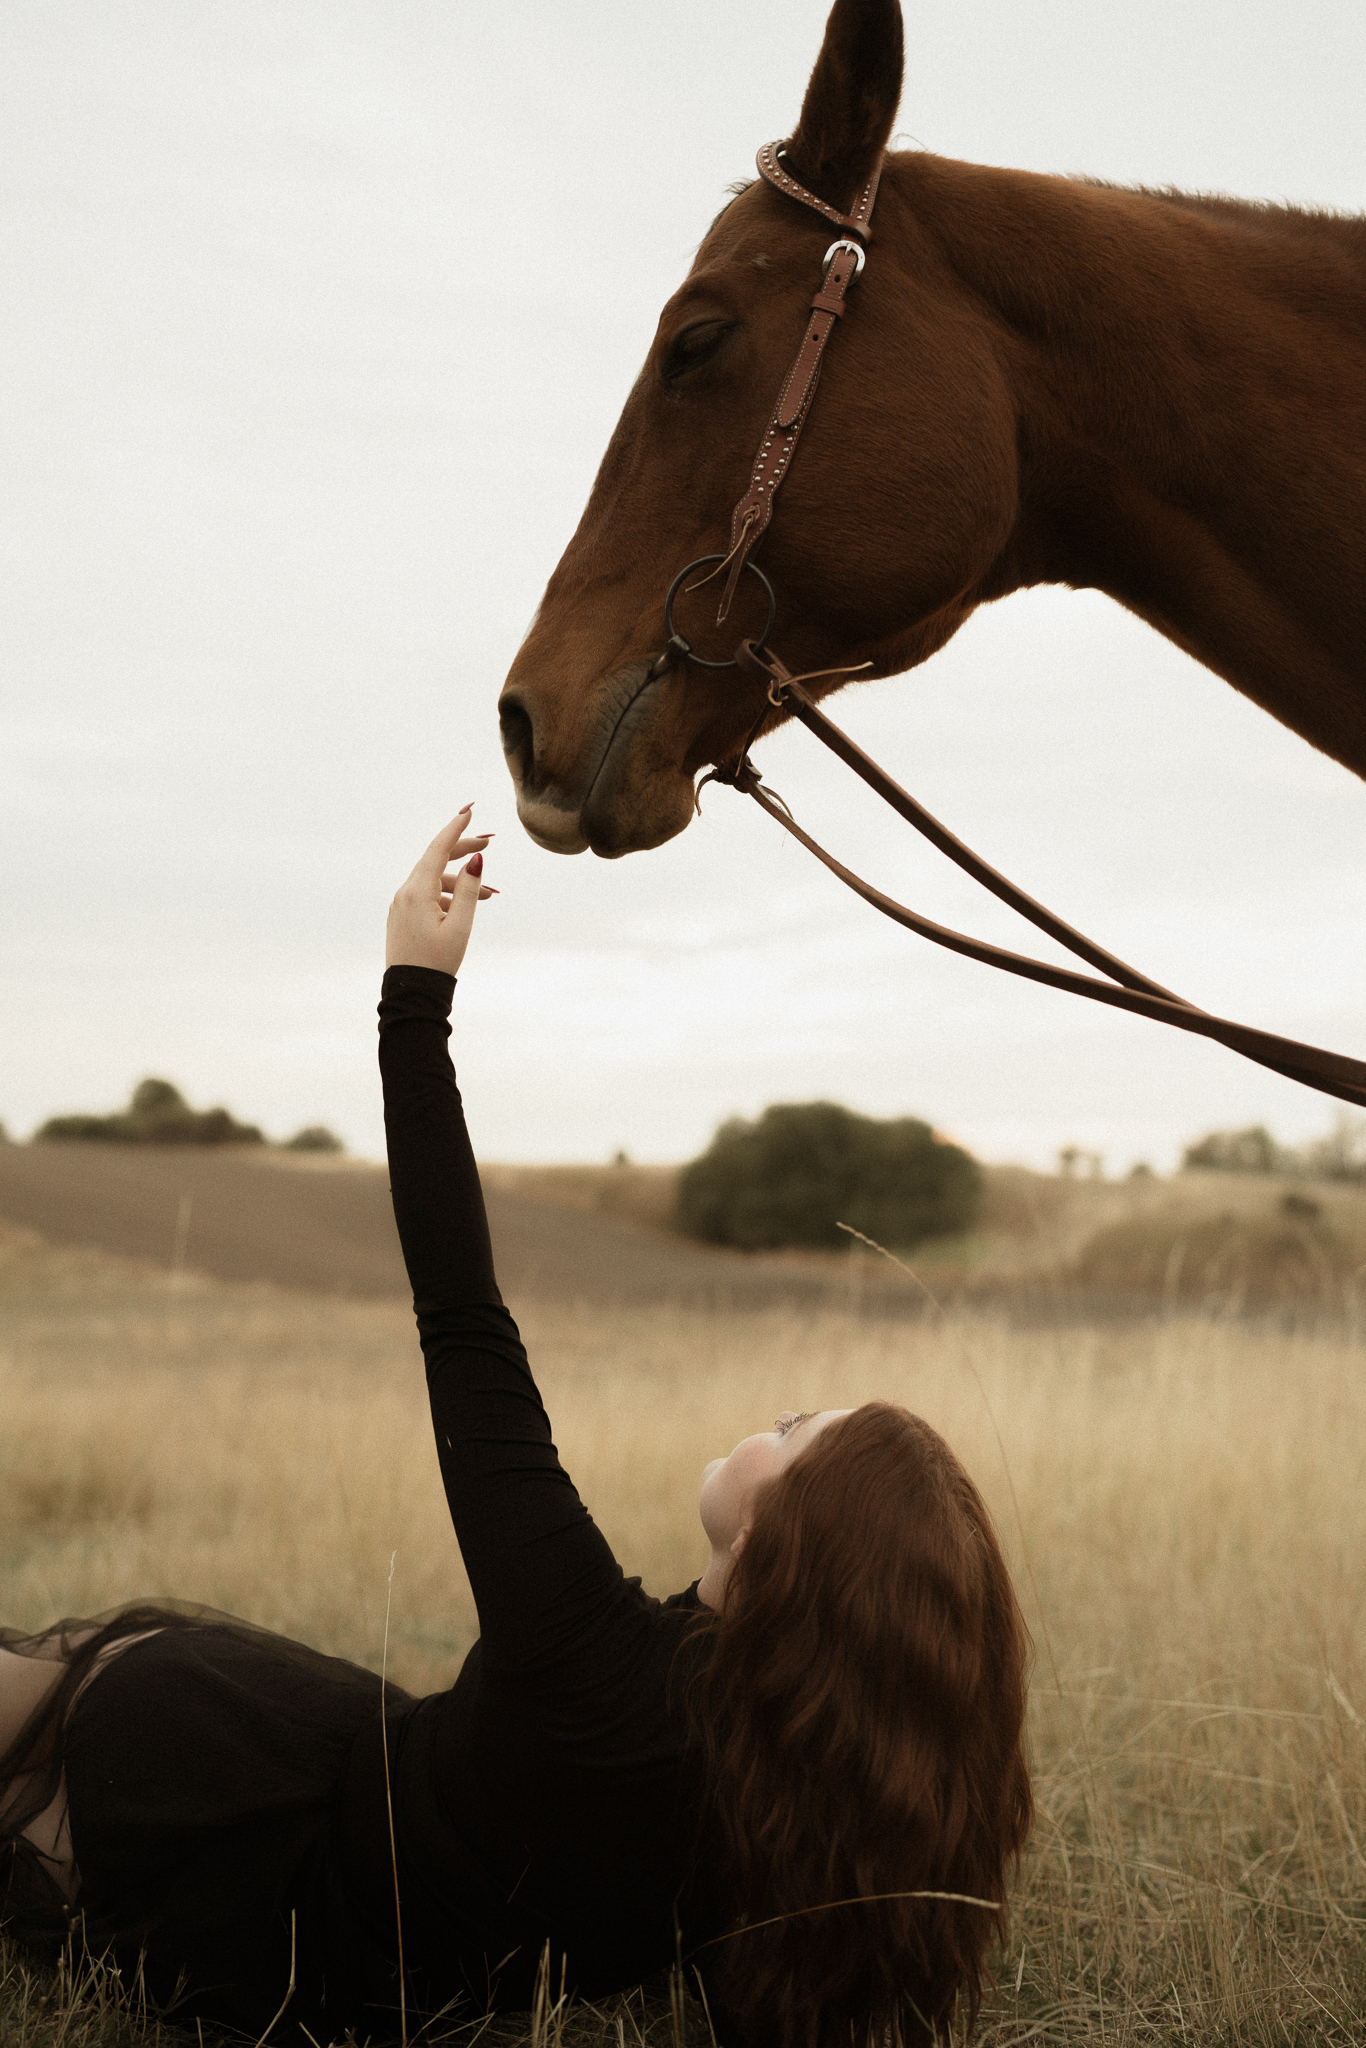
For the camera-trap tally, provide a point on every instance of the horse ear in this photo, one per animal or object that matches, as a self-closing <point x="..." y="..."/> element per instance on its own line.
<point x="851" y="102"/>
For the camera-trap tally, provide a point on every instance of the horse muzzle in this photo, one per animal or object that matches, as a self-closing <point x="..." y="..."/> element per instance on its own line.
<point x="547" y="814"/>
<point x="625" y="792"/>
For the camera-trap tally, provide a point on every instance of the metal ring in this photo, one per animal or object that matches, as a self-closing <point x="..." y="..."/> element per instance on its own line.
<point x="853" y="247"/>
<point x="673" y="632"/>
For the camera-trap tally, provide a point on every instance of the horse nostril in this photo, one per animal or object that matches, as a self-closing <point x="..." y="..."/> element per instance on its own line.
<point x="519" y="739"/>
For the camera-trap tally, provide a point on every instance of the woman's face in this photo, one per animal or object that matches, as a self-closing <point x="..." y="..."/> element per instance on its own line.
<point x="731" y="1485"/>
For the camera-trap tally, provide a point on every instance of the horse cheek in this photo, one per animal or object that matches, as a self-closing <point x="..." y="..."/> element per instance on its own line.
<point x="935" y="508"/>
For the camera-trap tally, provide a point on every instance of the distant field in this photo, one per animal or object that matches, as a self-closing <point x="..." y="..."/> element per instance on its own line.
<point x="1044" y="1244"/>
<point x="329" y="1227"/>
<point x="1182" y="1497"/>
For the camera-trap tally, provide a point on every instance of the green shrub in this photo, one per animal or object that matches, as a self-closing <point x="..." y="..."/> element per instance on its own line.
<point x="157" y="1114"/>
<point x="804" y="1167"/>
<point x="313" y="1138"/>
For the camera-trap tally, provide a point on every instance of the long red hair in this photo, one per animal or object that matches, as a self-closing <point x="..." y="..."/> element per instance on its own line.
<point x="863" y="1709"/>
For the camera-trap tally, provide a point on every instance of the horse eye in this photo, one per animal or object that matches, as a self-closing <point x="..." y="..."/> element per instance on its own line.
<point x="694" y="346"/>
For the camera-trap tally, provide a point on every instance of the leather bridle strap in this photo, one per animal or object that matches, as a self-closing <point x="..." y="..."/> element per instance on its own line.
<point x="844" y="261"/>
<point x="1328" y="1072"/>
<point x="771" y="167"/>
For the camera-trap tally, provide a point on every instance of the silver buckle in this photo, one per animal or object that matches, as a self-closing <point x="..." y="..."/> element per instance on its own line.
<point x="853" y="248"/>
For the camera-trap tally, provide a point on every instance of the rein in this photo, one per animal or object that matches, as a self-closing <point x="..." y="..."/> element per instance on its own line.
<point x="1123" y="987"/>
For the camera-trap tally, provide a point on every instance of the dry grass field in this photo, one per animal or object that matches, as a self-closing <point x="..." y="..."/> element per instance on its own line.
<point x="1182" y="1497"/>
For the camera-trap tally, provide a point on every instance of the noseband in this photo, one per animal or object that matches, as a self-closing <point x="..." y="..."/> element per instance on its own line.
<point x="1123" y="987"/>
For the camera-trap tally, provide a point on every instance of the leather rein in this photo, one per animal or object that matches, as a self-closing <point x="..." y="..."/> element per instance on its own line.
<point x="1123" y="987"/>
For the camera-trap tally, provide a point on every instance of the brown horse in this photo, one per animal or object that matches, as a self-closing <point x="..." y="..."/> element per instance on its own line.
<point x="1039" y="380"/>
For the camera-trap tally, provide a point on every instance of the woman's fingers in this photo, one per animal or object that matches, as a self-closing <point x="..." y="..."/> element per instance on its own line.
<point x="450" y="941"/>
<point x="432" y="914"/>
<point x="450" y="843"/>
<point x="479" y="844"/>
<point x="443" y="846"/>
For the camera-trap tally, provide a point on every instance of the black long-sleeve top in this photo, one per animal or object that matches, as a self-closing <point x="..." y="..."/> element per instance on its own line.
<point x="552" y="1793"/>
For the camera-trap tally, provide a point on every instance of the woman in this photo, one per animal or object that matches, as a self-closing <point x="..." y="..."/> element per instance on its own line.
<point x="803" y="1775"/>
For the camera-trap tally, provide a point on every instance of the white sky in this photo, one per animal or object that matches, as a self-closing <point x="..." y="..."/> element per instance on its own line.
<point x="315" y="321"/>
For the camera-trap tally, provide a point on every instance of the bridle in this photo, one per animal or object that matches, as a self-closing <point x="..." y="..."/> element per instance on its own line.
<point x="1123" y="987"/>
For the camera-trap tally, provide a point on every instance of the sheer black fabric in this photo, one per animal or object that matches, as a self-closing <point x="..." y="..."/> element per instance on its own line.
<point x="226" y="1788"/>
<point x="199" y="1769"/>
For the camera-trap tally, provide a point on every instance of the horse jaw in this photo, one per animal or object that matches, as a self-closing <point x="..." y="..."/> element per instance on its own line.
<point x="640" y="796"/>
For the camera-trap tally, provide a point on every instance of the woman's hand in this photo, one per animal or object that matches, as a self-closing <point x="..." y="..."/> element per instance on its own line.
<point x="431" y="917"/>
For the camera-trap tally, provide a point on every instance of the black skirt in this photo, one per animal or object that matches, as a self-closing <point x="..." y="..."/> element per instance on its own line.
<point x="203" y="1770"/>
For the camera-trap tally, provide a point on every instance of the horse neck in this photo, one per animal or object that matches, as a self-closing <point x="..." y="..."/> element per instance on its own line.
<point x="1190" y="387"/>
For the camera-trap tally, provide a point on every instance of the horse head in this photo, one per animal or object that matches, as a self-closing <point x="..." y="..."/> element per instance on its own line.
<point x="603" y="752"/>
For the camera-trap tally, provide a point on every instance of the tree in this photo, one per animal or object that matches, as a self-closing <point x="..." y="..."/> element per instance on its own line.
<point x="1341" y="1155"/>
<point x="157" y="1114"/>
<point x="313" y="1138"/>
<point x="803" y="1167"/>
<point x="1251" y="1151"/>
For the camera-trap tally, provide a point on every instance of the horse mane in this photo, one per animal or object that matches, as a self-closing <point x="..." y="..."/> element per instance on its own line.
<point x="1271" y="216"/>
<point x="734" y="191"/>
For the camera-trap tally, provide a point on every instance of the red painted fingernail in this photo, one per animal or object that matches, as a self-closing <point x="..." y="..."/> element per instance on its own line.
<point x="475" y="864"/>
<point x="464" y="810"/>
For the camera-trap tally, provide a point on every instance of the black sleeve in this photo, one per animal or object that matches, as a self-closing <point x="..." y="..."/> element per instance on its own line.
<point x="544" y="1579"/>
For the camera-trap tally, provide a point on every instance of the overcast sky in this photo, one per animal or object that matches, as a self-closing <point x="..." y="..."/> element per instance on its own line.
<point x="285" y="474"/>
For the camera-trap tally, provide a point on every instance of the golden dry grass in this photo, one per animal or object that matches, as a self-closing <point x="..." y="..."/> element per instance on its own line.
<point x="1183" y="1503"/>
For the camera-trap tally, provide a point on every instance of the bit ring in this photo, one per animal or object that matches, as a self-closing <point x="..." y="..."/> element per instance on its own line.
<point x="677" y="645"/>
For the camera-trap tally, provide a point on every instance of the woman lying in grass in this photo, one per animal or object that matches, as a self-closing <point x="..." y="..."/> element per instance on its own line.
<point x="803" y="1776"/>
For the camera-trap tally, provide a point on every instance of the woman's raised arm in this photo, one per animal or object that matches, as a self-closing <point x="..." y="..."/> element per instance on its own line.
<point x="545" y="1582"/>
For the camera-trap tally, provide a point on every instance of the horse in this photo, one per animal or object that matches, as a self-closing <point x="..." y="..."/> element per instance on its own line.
<point x="1038" y="380"/>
